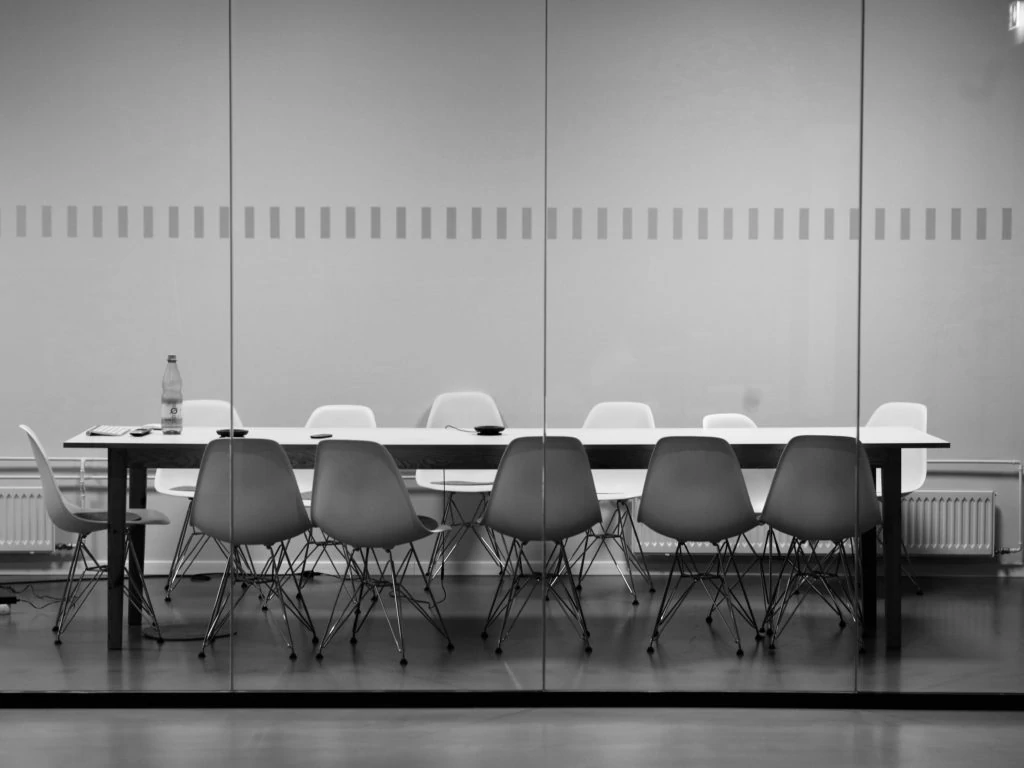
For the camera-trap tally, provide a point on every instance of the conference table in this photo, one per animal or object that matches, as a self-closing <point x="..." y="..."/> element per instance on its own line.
<point x="129" y="459"/>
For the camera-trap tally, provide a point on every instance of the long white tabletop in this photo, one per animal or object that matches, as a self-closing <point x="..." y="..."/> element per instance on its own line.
<point x="129" y="458"/>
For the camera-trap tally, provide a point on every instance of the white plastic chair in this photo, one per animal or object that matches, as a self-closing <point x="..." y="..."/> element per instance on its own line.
<point x="360" y="500"/>
<point x="323" y="419"/>
<point x="182" y="483"/>
<point x="695" y="493"/>
<point x="81" y="522"/>
<point x="543" y="491"/>
<point x="812" y="499"/>
<point x="617" y="490"/>
<point x="463" y="410"/>
<point x="758" y="480"/>
<point x="913" y="461"/>
<point x="326" y="417"/>
<point x="268" y="511"/>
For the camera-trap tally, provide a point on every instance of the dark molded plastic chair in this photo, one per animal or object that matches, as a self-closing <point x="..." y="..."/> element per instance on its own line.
<point x="695" y="493"/>
<point x="181" y="482"/>
<point x="543" y="491"/>
<point x="823" y="495"/>
<point x="360" y="500"/>
<point x="268" y="511"/>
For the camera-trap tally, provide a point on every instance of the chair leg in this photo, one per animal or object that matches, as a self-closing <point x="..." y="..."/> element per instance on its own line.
<point x="141" y="599"/>
<point x="190" y="544"/>
<point x="77" y="587"/>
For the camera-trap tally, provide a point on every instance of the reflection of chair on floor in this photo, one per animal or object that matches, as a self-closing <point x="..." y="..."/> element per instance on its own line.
<point x="268" y="511"/>
<point x="823" y="495"/>
<point x="323" y="419"/>
<point x="543" y="492"/>
<point x="913" y="461"/>
<point x="463" y="410"/>
<point x="695" y="493"/>
<point x="81" y="522"/>
<point x="182" y="483"/>
<point x="617" y="490"/>
<point x="360" y="500"/>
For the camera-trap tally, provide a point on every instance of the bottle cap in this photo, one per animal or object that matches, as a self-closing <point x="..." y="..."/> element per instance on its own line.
<point x="172" y="358"/>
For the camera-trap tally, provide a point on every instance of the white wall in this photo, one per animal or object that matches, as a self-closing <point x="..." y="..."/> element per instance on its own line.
<point x="441" y="104"/>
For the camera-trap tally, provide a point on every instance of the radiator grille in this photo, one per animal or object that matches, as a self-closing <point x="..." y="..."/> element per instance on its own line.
<point x="24" y="524"/>
<point x="954" y="523"/>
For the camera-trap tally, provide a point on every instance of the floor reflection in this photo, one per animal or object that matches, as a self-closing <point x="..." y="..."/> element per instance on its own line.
<point x="963" y="635"/>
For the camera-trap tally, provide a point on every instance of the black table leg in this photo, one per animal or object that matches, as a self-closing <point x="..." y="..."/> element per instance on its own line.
<point x="869" y="579"/>
<point x="137" y="499"/>
<point x="116" y="509"/>
<point x="892" y="532"/>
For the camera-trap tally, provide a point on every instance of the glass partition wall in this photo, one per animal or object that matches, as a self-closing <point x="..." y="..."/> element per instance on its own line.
<point x="114" y="242"/>
<point x="389" y="239"/>
<point x="576" y="220"/>
<point x="940" y="325"/>
<point x="702" y="169"/>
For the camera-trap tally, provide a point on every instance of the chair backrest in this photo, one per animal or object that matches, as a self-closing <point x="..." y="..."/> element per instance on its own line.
<point x="360" y="498"/>
<point x="727" y="421"/>
<point x="209" y="413"/>
<point x="341" y="416"/>
<point x="57" y="506"/>
<point x="543" y="490"/>
<point x="464" y="409"/>
<point x="758" y="480"/>
<point x="620" y="415"/>
<point x="815" y="486"/>
<point x="695" y="491"/>
<point x="195" y="413"/>
<point x="913" y="461"/>
<point x="267" y="504"/>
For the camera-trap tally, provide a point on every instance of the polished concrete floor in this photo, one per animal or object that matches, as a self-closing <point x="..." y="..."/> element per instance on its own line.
<point x="499" y="738"/>
<point x="963" y="635"/>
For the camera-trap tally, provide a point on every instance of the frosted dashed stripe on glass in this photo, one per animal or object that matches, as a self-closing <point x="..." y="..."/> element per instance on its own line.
<point x="275" y="222"/>
<point x="501" y="223"/>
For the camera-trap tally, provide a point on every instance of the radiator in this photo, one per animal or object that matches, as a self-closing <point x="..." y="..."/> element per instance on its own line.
<point x="952" y="523"/>
<point x="24" y="524"/>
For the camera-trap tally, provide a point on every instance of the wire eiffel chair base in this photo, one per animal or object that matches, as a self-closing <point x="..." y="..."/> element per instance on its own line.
<point x="79" y="585"/>
<point x="240" y="568"/>
<point x="517" y="582"/>
<point x="829" y="576"/>
<point x="379" y="578"/>
<point x="620" y="528"/>
<point x="446" y="542"/>
<point x="190" y="544"/>
<point x="687" y="571"/>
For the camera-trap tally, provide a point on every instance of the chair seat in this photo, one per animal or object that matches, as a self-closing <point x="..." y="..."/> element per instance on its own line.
<point x="457" y="480"/>
<point x="176" y="482"/>
<point x="432" y="525"/>
<point x="133" y="516"/>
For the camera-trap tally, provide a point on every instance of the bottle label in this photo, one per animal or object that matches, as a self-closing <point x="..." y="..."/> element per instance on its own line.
<point x="170" y="418"/>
